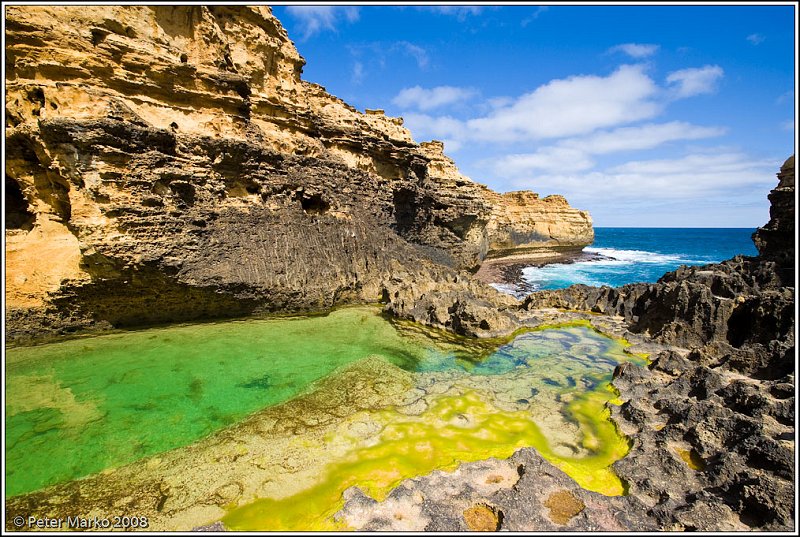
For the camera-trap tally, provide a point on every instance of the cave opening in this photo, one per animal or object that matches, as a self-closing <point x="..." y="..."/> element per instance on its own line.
<point x="405" y="212"/>
<point x="18" y="213"/>
<point x="313" y="203"/>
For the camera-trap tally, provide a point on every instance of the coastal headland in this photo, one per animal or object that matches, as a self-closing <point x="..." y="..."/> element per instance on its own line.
<point x="184" y="171"/>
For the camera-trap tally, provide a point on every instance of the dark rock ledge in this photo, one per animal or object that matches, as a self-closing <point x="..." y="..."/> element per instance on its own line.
<point x="711" y="419"/>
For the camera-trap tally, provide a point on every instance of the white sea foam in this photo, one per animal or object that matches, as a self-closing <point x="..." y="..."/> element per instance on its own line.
<point x="636" y="256"/>
<point x="615" y="268"/>
<point x="507" y="288"/>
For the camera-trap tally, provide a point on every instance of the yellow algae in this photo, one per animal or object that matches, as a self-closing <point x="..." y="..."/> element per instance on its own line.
<point x="444" y="401"/>
<point x="455" y="429"/>
<point x="692" y="459"/>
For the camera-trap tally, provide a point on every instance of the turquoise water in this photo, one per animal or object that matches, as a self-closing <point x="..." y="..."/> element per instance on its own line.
<point x="78" y="407"/>
<point x="643" y="255"/>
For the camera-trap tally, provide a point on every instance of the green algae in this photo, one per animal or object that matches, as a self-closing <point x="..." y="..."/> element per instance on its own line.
<point x="83" y="406"/>
<point x="159" y="389"/>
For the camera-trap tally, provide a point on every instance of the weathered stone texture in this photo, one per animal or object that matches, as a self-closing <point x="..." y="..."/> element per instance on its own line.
<point x="167" y="163"/>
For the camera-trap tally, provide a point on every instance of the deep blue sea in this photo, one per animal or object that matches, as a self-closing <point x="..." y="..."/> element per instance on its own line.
<point x="643" y="255"/>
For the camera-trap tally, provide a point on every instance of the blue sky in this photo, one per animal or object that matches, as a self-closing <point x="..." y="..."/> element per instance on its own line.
<point x="651" y="116"/>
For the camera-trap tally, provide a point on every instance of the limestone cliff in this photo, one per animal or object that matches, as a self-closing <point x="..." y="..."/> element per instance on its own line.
<point x="169" y="163"/>
<point x="517" y="223"/>
<point x="522" y="223"/>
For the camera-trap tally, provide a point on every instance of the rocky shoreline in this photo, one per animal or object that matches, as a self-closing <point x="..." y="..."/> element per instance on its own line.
<point x="711" y="420"/>
<point x="206" y="180"/>
<point x="506" y="272"/>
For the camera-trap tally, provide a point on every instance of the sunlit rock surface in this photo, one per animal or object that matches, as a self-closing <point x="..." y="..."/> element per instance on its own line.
<point x="168" y="163"/>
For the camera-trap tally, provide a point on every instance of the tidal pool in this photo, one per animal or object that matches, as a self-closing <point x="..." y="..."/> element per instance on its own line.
<point x="83" y="406"/>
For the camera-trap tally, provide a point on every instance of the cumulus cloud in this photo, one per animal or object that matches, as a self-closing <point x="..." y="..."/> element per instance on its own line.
<point x="756" y="39"/>
<point x="420" y="98"/>
<point x="570" y="106"/>
<point x="575" y="153"/>
<point x="315" y="19"/>
<point x="575" y="109"/>
<point x="635" y="50"/>
<point x="694" y="81"/>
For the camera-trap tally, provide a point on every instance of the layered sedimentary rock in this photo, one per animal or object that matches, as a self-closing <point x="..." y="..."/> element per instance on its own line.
<point x="168" y="163"/>
<point x="523" y="224"/>
<point x="517" y="223"/>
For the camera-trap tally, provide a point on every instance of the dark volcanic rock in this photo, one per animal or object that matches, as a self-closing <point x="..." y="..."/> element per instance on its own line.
<point x="713" y="428"/>
<point x="776" y="239"/>
<point x="711" y="420"/>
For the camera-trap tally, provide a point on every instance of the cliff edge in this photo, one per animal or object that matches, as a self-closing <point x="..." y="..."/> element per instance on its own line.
<point x="168" y="163"/>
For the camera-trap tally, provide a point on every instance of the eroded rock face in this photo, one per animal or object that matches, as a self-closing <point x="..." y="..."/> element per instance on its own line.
<point x="776" y="239"/>
<point x="523" y="224"/>
<point x="517" y="224"/>
<point x="711" y="420"/>
<point x="167" y="163"/>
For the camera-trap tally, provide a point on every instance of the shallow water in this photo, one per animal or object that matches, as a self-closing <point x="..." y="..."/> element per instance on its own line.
<point x="79" y="407"/>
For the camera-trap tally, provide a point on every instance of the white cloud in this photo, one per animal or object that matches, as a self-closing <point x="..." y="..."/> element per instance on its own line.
<point x="459" y="12"/>
<point x="418" y="53"/>
<point x="756" y="39"/>
<point x="552" y="158"/>
<point x="643" y="137"/>
<point x="533" y="16"/>
<point x="315" y="19"/>
<point x="639" y="182"/>
<point x="702" y="162"/>
<point x="420" y="98"/>
<point x="358" y="73"/>
<point x="695" y="81"/>
<point x="425" y="127"/>
<point x="788" y="125"/>
<point x="635" y="50"/>
<point x="575" y="105"/>
<point x="575" y="153"/>
<point x="499" y="102"/>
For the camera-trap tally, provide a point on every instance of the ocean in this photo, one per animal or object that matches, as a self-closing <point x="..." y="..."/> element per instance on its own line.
<point x="642" y="255"/>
